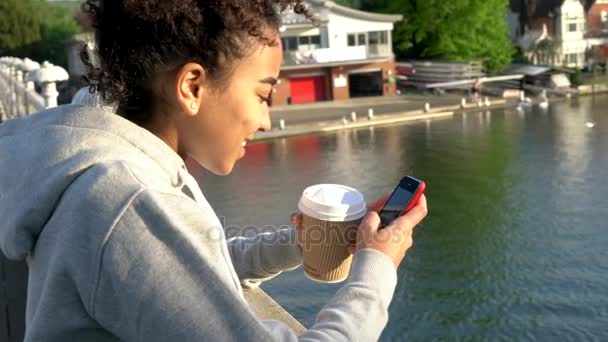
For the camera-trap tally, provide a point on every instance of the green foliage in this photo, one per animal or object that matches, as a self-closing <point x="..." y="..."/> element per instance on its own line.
<point x="452" y="30"/>
<point x="519" y="56"/>
<point x="49" y="25"/>
<point x="18" y="27"/>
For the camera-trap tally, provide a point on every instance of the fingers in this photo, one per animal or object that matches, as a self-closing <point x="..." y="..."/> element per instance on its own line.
<point x="370" y="222"/>
<point x="295" y="217"/>
<point x="412" y="217"/>
<point x="421" y="208"/>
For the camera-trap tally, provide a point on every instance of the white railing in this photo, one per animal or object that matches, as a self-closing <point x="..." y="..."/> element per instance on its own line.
<point x="330" y="55"/>
<point x="18" y="96"/>
<point x="379" y="50"/>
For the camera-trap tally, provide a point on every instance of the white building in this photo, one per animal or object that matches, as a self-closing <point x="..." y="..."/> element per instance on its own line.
<point x="570" y="32"/>
<point x="349" y="54"/>
<point x="559" y="25"/>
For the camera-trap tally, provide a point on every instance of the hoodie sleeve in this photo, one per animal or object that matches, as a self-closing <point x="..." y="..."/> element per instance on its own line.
<point x="264" y="256"/>
<point x="161" y="277"/>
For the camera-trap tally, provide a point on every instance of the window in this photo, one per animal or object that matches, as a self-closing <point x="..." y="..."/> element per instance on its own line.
<point x="377" y="38"/>
<point x="290" y="43"/>
<point x="362" y="39"/>
<point x="351" y="40"/>
<point x="572" y="27"/>
<point x="302" y="43"/>
<point x="374" y="38"/>
<point x="369" y="38"/>
<point x="572" y="58"/>
<point x="309" y="43"/>
<point x="383" y="37"/>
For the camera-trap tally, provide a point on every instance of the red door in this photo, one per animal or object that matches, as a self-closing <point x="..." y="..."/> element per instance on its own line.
<point x="307" y="89"/>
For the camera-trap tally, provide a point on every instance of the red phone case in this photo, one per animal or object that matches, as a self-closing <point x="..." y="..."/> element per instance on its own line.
<point x="416" y="198"/>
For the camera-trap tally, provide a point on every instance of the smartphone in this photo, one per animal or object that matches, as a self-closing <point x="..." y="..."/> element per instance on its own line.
<point x="403" y="199"/>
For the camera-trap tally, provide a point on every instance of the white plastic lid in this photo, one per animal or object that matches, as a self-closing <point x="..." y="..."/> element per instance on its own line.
<point x="332" y="202"/>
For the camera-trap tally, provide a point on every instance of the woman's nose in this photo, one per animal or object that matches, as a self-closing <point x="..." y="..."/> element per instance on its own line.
<point x="265" y="125"/>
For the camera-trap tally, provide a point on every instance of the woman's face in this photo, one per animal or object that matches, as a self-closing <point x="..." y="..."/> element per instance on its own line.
<point x="228" y="119"/>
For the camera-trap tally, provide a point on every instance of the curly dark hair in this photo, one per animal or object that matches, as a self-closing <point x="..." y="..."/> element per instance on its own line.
<point x="138" y="39"/>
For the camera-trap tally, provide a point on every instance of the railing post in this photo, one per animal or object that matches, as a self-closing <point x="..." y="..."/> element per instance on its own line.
<point x="18" y="99"/>
<point x="29" y="87"/>
<point x="28" y="66"/>
<point x="50" y="93"/>
<point x="11" y="86"/>
<point x="47" y="75"/>
<point x="14" y="92"/>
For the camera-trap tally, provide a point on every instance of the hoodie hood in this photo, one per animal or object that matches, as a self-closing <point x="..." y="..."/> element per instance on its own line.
<point x="42" y="154"/>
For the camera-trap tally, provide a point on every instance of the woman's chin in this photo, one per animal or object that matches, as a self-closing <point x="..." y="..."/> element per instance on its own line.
<point x="222" y="170"/>
<point x="219" y="169"/>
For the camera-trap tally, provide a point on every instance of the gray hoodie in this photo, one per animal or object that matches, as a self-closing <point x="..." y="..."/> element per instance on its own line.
<point x="122" y="244"/>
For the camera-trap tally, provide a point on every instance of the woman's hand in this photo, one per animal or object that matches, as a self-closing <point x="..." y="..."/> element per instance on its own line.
<point x="297" y="219"/>
<point x="396" y="238"/>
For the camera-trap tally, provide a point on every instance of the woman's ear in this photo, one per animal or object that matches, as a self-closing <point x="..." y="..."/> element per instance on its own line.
<point x="190" y="87"/>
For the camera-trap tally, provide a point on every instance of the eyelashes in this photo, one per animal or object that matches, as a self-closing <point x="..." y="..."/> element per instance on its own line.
<point x="266" y="99"/>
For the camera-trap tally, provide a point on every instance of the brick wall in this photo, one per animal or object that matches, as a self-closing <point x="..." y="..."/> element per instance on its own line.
<point x="537" y="24"/>
<point x="594" y="18"/>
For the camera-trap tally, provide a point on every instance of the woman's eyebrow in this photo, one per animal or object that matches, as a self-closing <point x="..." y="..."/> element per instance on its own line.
<point x="269" y="80"/>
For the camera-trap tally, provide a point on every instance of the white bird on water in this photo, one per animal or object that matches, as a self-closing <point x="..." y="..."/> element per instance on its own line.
<point x="544" y="104"/>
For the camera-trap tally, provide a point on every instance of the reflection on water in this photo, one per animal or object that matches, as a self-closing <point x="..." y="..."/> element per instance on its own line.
<point x="515" y="243"/>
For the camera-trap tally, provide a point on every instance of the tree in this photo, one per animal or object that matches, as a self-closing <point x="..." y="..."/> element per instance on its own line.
<point x="36" y="29"/>
<point x="57" y="26"/>
<point x="453" y="30"/>
<point x="19" y="25"/>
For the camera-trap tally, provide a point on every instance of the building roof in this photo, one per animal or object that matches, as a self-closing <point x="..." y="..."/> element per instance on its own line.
<point x="533" y="37"/>
<point x="333" y="64"/>
<point x="517" y="6"/>
<point x="588" y="4"/>
<point x="541" y="8"/>
<point x="319" y="7"/>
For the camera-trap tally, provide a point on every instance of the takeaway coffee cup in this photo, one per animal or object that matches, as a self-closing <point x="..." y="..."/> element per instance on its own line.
<point x="331" y="215"/>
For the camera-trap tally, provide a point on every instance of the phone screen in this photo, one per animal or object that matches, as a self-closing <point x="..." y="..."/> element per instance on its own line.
<point x="395" y="205"/>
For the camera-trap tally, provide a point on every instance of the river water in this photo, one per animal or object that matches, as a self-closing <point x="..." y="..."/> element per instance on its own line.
<point x="515" y="246"/>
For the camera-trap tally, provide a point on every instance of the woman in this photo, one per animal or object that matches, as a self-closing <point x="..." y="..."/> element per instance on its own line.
<point x="120" y="241"/>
